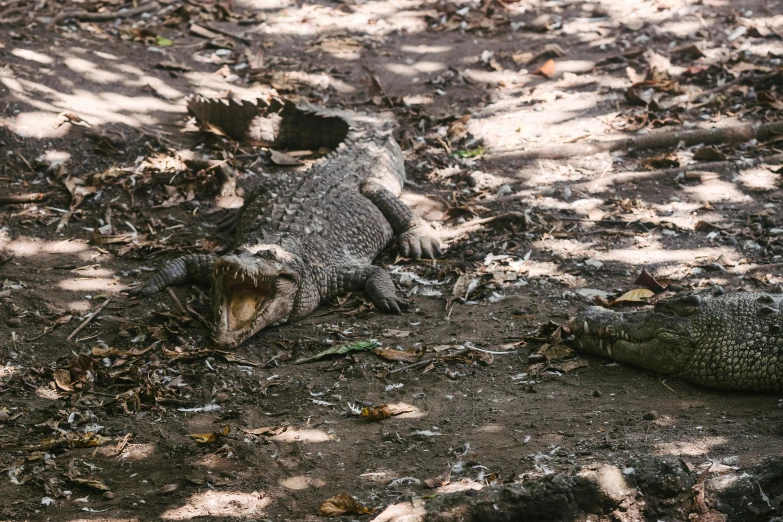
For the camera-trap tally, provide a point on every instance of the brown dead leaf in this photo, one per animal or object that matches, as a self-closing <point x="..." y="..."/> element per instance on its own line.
<point x="342" y="504"/>
<point x="637" y="295"/>
<point x="94" y="483"/>
<point x="571" y="364"/>
<point x="647" y="280"/>
<point x="207" y="438"/>
<point x="376" y="413"/>
<point x="444" y="479"/>
<point x="555" y="351"/>
<point x="62" y="378"/>
<point x="547" y="70"/>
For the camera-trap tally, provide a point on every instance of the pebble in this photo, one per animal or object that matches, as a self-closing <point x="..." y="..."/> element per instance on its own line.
<point x="650" y="415"/>
<point x="597" y="393"/>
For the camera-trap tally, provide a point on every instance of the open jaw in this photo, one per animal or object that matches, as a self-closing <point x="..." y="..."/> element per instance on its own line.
<point x="246" y="302"/>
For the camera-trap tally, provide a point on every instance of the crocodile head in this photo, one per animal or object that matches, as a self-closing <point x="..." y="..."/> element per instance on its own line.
<point x="253" y="288"/>
<point x="662" y="339"/>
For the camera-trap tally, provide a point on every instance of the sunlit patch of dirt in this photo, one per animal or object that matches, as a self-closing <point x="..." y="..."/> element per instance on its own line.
<point x="220" y="504"/>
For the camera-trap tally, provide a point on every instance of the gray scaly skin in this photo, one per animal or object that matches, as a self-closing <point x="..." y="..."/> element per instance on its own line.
<point x="303" y="238"/>
<point x="722" y="341"/>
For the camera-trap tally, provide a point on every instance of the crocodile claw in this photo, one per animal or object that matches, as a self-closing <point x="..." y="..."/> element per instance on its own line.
<point x="393" y="305"/>
<point x="419" y="242"/>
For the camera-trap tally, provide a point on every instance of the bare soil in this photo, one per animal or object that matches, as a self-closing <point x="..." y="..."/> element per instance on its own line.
<point x="486" y="417"/>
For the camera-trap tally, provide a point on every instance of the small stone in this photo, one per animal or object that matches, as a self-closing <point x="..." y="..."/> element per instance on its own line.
<point x="14" y="322"/>
<point x="597" y="393"/>
<point x="108" y="495"/>
<point x="731" y="461"/>
<point x="650" y="415"/>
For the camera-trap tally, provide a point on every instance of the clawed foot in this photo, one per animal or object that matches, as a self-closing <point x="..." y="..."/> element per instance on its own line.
<point x="392" y="305"/>
<point x="419" y="242"/>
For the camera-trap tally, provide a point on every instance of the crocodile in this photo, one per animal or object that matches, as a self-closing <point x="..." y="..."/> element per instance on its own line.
<point x="725" y="341"/>
<point x="302" y="238"/>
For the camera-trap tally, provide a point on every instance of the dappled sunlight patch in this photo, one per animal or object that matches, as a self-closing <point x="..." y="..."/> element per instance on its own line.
<point x="44" y="392"/>
<point x="300" y="482"/>
<point x="758" y="179"/>
<point x="692" y="448"/>
<point x="220" y="504"/>
<point x="409" y="411"/>
<point x="539" y="268"/>
<point x="131" y="452"/>
<point x="92" y="71"/>
<point x="414" y="69"/>
<point x="103" y="284"/>
<point x="82" y="305"/>
<point x="491" y="428"/>
<point x="28" y="247"/>
<point x="717" y="190"/>
<point x="8" y="371"/>
<point x="33" y="56"/>
<point x="464" y="484"/>
<point x="657" y="253"/>
<point x="374" y="18"/>
<point x="35" y="124"/>
<point x="303" y="435"/>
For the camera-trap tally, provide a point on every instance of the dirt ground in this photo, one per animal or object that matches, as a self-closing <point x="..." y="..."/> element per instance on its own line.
<point x="96" y="426"/>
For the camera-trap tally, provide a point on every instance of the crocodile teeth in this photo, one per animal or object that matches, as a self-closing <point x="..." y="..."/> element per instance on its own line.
<point x="586" y="327"/>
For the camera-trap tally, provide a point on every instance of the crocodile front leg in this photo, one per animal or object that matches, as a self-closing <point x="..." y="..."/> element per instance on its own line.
<point x="415" y="238"/>
<point x="375" y="282"/>
<point x="196" y="268"/>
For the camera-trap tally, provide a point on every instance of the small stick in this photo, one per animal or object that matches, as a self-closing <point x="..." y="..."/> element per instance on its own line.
<point x="669" y="387"/>
<point x="177" y="301"/>
<point x="425" y="362"/>
<point x="87" y="321"/>
<point x="24" y="198"/>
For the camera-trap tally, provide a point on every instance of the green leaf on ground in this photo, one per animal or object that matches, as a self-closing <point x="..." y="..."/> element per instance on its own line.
<point x="469" y="153"/>
<point x="164" y="42"/>
<point x="361" y="346"/>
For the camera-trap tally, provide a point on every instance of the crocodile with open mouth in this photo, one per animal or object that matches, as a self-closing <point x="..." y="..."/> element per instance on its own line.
<point x="726" y="341"/>
<point x="302" y="238"/>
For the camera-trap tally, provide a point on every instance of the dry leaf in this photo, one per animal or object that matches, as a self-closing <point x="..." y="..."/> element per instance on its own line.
<point x="646" y="279"/>
<point x="397" y="355"/>
<point x="278" y="158"/>
<point x="637" y="295"/>
<point x="206" y="438"/>
<point x="548" y="69"/>
<point x="342" y="504"/>
<point x="555" y="351"/>
<point x="376" y="412"/>
<point x="94" y="483"/>
<point x="396" y="333"/>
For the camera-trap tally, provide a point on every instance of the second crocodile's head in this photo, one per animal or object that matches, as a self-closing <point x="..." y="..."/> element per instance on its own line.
<point x="662" y="339"/>
<point x="253" y="288"/>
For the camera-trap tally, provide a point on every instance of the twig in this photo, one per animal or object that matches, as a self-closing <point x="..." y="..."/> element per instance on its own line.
<point x="25" y="198"/>
<point x="90" y="318"/>
<point x="86" y="16"/>
<point x="668" y="387"/>
<point x="243" y="39"/>
<point x="177" y="301"/>
<point x="655" y="140"/>
<point x="474" y="224"/>
<point x="426" y="362"/>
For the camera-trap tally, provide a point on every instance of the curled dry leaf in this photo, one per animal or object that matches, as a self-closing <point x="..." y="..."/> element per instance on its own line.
<point x="637" y="295"/>
<point x="647" y="280"/>
<point x="207" y="438"/>
<point x="397" y="355"/>
<point x="342" y="504"/>
<point x="376" y="413"/>
<point x="547" y="70"/>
